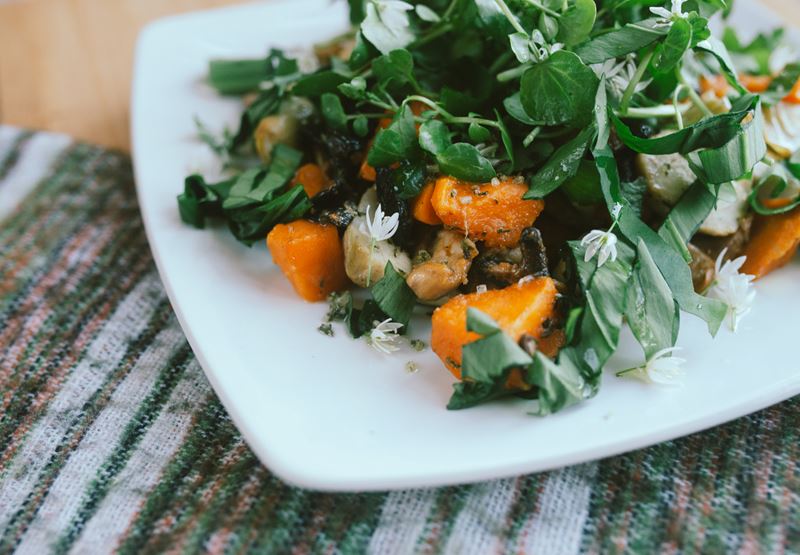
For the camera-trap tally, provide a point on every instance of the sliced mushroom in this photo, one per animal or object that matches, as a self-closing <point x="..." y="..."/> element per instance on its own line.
<point x="447" y="269"/>
<point x="668" y="177"/>
<point x="731" y="208"/>
<point x="782" y="128"/>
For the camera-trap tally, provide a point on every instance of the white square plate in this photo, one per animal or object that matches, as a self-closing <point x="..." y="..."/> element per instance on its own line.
<point x="333" y="413"/>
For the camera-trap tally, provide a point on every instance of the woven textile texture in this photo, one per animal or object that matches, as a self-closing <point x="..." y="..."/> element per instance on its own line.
<point x="112" y="440"/>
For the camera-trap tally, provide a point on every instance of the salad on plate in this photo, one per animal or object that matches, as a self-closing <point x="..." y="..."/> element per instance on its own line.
<point x="531" y="175"/>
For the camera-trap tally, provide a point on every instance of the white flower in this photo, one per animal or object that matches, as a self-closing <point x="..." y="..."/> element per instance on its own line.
<point x="603" y="242"/>
<point x="427" y="14"/>
<point x="661" y="368"/>
<point x="383" y="336"/>
<point x="670" y="15"/>
<point x="387" y="25"/>
<point x="732" y="288"/>
<point x="381" y="227"/>
<point x="616" y="210"/>
<point x="619" y="75"/>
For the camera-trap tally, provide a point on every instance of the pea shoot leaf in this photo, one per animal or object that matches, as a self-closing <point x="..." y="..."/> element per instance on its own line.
<point x="396" y="142"/>
<point x="465" y="161"/>
<point x="559" y="91"/>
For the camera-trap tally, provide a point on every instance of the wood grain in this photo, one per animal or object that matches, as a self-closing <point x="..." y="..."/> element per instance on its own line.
<point x="65" y="65"/>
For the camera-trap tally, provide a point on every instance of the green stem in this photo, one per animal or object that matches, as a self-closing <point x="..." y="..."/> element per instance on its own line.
<point x="695" y="98"/>
<point x="637" y="78"/>
<point x="434" y="34"/>
<point x="661" y="111"/>
<point x="369" y="263"/>
<point x="501" y="60"/>
<point x="678" y="114"/>
<point x="545" y="9"/>
<point x="510" y="16"/>
<point x="526" y="142"/>
<point x="513" y="73"/>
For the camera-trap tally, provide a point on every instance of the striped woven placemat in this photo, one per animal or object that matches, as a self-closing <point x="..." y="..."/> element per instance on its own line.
<point x="112" y="440"/>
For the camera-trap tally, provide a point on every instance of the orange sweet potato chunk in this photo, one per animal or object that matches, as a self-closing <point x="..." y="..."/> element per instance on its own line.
<point x="495" y="214"/>
<point x="421" y="207"/>
<point x="312" y="178"/>
<point x="716" y="83"/>
<point x="310" y="255"/>
<point x="774" y="242"/>
<point x="755" y="83"/>
<point x="518" y="309"/>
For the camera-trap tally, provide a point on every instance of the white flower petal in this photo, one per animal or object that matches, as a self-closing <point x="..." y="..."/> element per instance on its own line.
<point x="661" y="12"/>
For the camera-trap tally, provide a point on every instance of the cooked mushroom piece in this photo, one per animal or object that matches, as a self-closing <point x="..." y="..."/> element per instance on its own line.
<point x="363" y="267"/>
<point x="446" y="270"/>
<point x="499" y="267"/>
<point x="702" y="267"/>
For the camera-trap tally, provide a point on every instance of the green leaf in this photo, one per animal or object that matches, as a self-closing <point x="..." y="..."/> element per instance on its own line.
<point x="243" y="76"/>
<point x="628" y="39"/>
<point x="670" y="52"/>
<point x="478" y="133"/>
<point x="520" y="46"/>
<point x="584" y="187"/>
<point x="396" y="142"/>
<point x="772" y="185"/>
<point x="480" y="322"/>
<point x="559" y="385"/>
<point x="201" y="200"/>
<point x="650" y="310"/>
<point x="513" y="105"/>
<point x="717" y="49"/>
<point x="562" y="165"/>
<point x="577" y="21"/>
<point x="319" y="83"/>
<point x="672" y="265"/>
<point x="712" y="133"/>
<point x="257" y="186"/>
<point x="505" y="137"/>
<point x="333" y="112"/>
<point x="408" y="179"/>
<point x="464" y="161"/>
<point x="361" y="126"/>
<point x="560" y="90"/>
<point x="266" y="104"/>
<point x="393" y="296"/>
<point x="434" y="136"/>
<point x="469" y="394"/>
<point x="604" y="290"/>
<point x="252" y="223"/>
<point x="486" y="360"/>
<point x="737" y="157"/>
<point x="357" y="11"/>
<point x="687" y="216"/>
<point x="394" y="69"/>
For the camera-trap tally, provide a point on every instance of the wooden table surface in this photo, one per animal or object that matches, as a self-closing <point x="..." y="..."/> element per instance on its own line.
<point x="65" y="65"/>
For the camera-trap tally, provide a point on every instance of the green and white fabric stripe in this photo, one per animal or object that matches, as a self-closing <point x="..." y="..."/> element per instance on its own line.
<point x="111" y="439"/>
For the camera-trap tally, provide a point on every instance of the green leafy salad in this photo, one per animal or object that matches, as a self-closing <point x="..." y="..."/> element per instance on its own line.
<point x="531" y="174"/>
